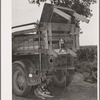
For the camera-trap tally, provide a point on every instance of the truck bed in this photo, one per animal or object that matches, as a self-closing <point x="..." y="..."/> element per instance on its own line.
<point x="26" y="44"/>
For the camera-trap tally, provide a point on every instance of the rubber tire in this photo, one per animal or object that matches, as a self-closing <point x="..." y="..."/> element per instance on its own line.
<point x="64" y="82"/>
<point x="17" y="68"/>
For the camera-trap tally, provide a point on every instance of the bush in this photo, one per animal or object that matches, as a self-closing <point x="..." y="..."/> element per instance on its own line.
<point x="87" y="53"/>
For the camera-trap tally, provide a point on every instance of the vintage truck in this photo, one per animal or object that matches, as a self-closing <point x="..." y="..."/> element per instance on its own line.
<point x="44" y="52"/>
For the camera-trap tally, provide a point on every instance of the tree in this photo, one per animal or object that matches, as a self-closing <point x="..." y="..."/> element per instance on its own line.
<point x="80" y="6"/>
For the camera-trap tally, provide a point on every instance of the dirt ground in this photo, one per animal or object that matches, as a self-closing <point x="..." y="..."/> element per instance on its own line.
<point x="77" y="90"/>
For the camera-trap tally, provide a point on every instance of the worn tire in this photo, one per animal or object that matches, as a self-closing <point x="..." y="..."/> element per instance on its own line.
<point x="19" y="80"/>
<point x="61" y="79"/>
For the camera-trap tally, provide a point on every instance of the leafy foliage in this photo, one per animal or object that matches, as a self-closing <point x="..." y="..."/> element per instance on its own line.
<point x="87" y="63"/>
<point x="80" y="6"/>
<point x="87" y="53"/>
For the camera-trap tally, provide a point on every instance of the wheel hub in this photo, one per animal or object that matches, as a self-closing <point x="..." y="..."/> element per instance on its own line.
<point x="20" y="80"/>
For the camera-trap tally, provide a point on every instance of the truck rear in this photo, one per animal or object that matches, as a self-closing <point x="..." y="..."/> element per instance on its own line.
<point x="45" y="53"/>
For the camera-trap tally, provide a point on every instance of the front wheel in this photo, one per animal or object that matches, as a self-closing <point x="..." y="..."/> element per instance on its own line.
<point x="19" y="81"/>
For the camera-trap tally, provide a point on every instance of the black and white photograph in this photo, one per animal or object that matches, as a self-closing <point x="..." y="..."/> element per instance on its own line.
<point x="54" y="50"/>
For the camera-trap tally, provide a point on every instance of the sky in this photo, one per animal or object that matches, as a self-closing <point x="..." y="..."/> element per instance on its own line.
<point x="90" y="31"/>
<point x="23" y="13"/>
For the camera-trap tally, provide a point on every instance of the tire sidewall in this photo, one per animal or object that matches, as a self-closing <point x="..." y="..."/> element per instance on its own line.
<point x="64" y="82"/>
<point x="19" y="68"/>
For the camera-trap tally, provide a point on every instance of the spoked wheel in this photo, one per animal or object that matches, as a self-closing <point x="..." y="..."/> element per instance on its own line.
<point x="19" y="81"/>
<point x="61" y="78"/>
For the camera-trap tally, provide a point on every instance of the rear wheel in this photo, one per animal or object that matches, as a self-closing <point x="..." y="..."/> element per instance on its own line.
<point x="61" y="78"/>
<point x="19" y="80"/>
